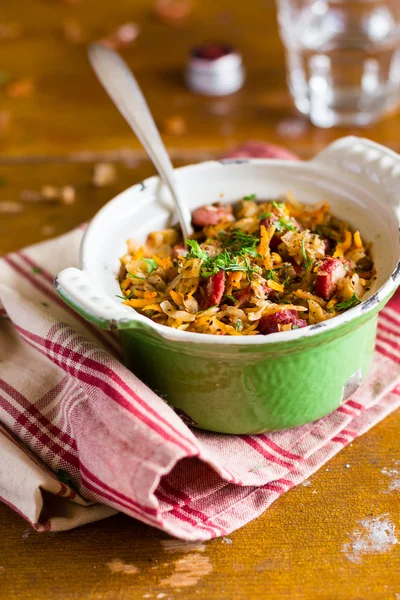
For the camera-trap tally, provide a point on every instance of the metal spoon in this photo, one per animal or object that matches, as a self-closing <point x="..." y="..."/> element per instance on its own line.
<point x="119" y="82"/>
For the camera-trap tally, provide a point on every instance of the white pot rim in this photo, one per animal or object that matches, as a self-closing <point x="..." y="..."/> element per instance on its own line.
<point x="100" y="305"/>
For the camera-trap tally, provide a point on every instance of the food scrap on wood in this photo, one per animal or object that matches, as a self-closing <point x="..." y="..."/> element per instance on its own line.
<point x="104" y="174"/>
<point x="65" y="194"/>
<point x="122" y="37"/>
<point x="10" y="31"/>
<point x="173" y="12"/>
<point x="20" y="88"/>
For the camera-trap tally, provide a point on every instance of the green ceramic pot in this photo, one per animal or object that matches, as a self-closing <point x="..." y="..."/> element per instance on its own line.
<point x="261" y="383"/>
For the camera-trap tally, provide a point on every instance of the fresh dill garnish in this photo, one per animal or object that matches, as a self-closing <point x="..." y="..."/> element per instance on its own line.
<point x="250" y="197"/>
<point x="281" y="225"/>
<point x="238" y="245"/>
<point x="151" y="265"/>
<point x="307" y="261"/>
<point x="196" y="251"/>
<point x="353" y="301"/>
<point x="270" y="274"/>
<point x="241" y="244"/>
<point x="124" y="297"/>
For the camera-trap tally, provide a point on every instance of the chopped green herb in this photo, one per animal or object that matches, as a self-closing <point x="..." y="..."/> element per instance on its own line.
<point x="270" y="274"/>
<point x="353" y="301"/>
<point x="239" y="244"/>
<point x="250" y="197"/>
<point x="239" y="325"/>
<point x="151" y="265"/>
<point x="265" y="215"/>
<point x="249" y="270"/>
<point x="278" y="204"/>
<point x="35" y="270"/>
<point x="123" y="297"/>
<point x="286" y="282"/>
<point x="307" y="261"/>
<point x="242" y="244"/>
<point x="132" y="276"/>
<point x="232" y="298"/>
<point x="282" y="225"/>
<point x="196" y="251"/>
<point x="204" y="310"/>
<point x="295" y="327"/>
<point x="303" y="250"/>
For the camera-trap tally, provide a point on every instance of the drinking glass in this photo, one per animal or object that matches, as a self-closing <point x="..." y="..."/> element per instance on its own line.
<point x="343" y="58"/>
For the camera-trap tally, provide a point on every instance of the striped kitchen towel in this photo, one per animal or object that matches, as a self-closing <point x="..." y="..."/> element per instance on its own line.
<point x="82" y="438"/>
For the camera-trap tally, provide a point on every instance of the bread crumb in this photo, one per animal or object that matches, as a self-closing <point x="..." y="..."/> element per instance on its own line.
<point x="122" y="37"/>
<point x="104" y="174"/>
<point x="174" y="125"/>
<point x="73" y="31"/>
<point x="10" y="31"/>
<point x="68" y="194"/>
<point x="173" y="11"/>
<point x="20" y="88"/>
<point x="10" y="208"/>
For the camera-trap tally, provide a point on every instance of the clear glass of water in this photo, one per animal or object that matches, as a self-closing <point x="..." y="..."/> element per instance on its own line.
<point x="343" y="58"/>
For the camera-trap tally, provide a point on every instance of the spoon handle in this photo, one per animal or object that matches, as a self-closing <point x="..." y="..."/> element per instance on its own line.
<point x="119" y="82"/>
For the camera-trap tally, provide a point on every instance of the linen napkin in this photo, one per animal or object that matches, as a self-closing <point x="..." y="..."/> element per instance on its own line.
<point x="82" y="438"/>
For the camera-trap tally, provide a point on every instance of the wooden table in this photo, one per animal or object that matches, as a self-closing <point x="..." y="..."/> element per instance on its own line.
<point x="301" y="547"/>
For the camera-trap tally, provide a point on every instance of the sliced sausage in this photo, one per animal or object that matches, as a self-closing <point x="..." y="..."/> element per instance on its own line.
<point x="214" y="289"/>
<point x="329" y="274"/>
<point x="207" y="215"/>
<point x="270" y="323"/>
<point x="179" y="250"/>
<point x="242" y="296"/>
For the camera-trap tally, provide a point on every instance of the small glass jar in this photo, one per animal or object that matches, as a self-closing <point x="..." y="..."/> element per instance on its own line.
<point x="214" y="70"/>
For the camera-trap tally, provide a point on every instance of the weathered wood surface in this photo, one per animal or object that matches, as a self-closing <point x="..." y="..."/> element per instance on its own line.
<point x="68" y="112"/>
<point x="319" y="541"/>
<point x="311" y="544"/>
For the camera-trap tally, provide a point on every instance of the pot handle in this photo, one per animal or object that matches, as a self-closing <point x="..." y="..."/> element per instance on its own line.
<point x="77" y="290"/>
<point x="362" y="157"/>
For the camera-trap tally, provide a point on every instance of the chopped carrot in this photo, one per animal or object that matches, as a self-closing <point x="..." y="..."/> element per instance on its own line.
<point x="176" y="297"/>
<point x="275" y="286"/>
<point x="137" y="303"/>
<point x="342" y="247"/>
<point x="234" y="279"/>
<point x="263" y="247"/>
<point x="155" y="307"/>
<point x="158" y="260"/>
<point x="331" y="303"/>
<point x="357" y="240"/>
